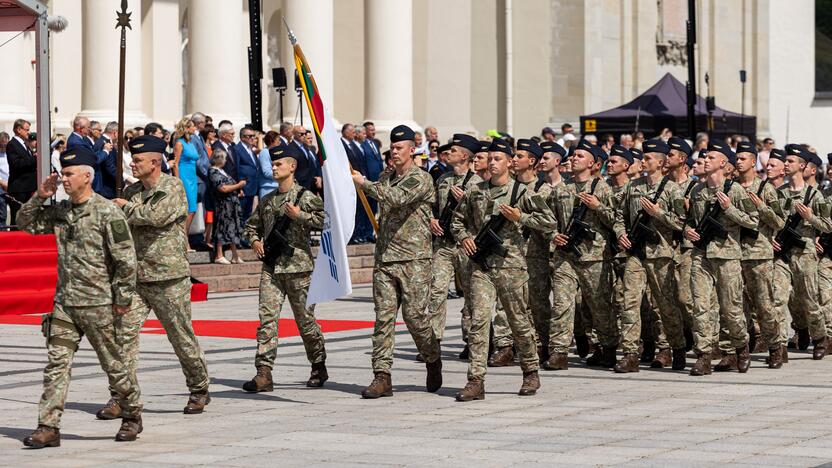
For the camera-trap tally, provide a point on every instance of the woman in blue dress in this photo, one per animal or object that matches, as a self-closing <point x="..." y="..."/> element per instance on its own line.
<point x="184" y="166"/>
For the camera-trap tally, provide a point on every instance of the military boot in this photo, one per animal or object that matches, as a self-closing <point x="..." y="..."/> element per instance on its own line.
<point x="688" y="339"/>
<point x="43" y="436"/>
<point x="381" y="386"/>
<point x="784" y="354"/>
<point x="819" y="350"/>
<point x="608" y="359"/>
<point x="262" y="382"/>
<point x="197" y="402"/>
<point x="663" y="359"/>
<point x="542" y="354"/>
<point x="759" y="345"/>
<point x="582" y="346"/>
<point x="648" y="352"/>
<point x="727" y="363"/>
<point x="318" y="376"/>
<point x="111" y="410"/>
<point x="743" y="359"/>
<point x="433" y="381"/>
<point x="531" y="382"/>
<point x="474" y="390"/>
<point x="792" y="343"/>
<point x="803" y="339"/>
<point x="597" y="357"/>
<point x="556" y="361"/>
<point x="502" y="357"/>
<point x="130" y="429"/>
<point x="628" y="363"/>
<point x="679" y="359"/>
<point x="717" y="354"/>
<point x="419" y="358"/>
<point x="702" y="366"/>
<point x="465" y="353"/>
<point x="775" y="358"/>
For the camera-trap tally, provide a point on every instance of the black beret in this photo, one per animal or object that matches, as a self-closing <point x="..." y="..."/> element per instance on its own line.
<point x="804" y="153"/>
<point x="466" y="141"/>
<point x="621" y="152"/>
<point x="402" y="133"/>
<point x="720" y="147"/>
<point x="690" y="161"/>
<point x="79" y="156"/>
<point x="679" y="144"/>
<point x="484" y="145"/>
<point x="500" y="146"/>
<point x="283" y="151"/>
<point x="552" y="147"/>
<point x="655" y="146"/>
<point x="746" y="147"/>
<point x="443" y="148"/>
<point x="531" y="146"/>
<point x="777" y="154"/>
<point x="816" y="160"/>
<point x="637" y="153"/>
<point x="828" y="157"/>
<point x="147" y="144"/>
<point x="592" y="149"/>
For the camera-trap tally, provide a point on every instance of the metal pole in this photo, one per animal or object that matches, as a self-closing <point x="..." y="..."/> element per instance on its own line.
<point x="42" y="94"/>
<point x="742" y="102"/>
<point x="691" y="33"/>
<point x="123" y="23"/>
<point x="255" y="65"/>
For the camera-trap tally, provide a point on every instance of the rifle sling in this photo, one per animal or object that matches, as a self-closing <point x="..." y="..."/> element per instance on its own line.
<point x="468" y="176"/>
<point x="277" y="222"/>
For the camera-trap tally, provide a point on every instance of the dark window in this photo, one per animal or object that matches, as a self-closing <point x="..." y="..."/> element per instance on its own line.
<point x="823" y="48"/>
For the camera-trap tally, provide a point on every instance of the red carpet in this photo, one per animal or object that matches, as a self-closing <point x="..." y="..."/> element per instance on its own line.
<point x="246" y="329"/>
<point x="29" y="272"/>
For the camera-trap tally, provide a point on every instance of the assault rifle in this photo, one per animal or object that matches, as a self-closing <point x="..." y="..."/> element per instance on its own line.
<point x="488" y="241"/>
<point x="749" y="234"/>
<point x="447" y="214"/>
<point x="640" y="232"/>
<point x="276" y="244"/>
<point x="578" y="230"/>
<point x="788" y="237"/>
<point x="709" y="228"/>
<point x="825" y="242"/>
<point x="677" y="235"/>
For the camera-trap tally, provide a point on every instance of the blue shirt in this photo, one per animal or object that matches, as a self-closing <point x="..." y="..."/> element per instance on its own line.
<point x="267" y="182"/>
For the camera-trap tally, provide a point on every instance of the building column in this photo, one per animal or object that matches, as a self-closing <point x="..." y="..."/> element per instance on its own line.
<point x="100" y="65"/>
<point x="163" y="93"/>
<point x="17" y="69"/>
<point x="389" y="63"/>
<point x="216" y="61"/>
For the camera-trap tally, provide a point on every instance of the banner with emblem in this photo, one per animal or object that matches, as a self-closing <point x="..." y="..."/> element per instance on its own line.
<point x="331" y="276"/>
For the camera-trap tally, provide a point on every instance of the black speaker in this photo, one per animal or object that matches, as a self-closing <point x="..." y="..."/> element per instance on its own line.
<point x="279" y="78"/>
<point x="298" y="86"/>
<point x="710" y="103"/>
<point x="742" y="76"/>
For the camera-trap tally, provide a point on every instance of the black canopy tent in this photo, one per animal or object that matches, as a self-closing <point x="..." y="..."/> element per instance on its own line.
<point x="664" y="106"/>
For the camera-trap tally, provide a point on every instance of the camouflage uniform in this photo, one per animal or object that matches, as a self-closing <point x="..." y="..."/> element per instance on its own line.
<point x="717" y="269"/>
<point x="403" y="256"/>
<point x="800" y="276"/>
<point x="655" y="270"/>
<point x="825" y="279"/>
<point x="681" y="262"/>
<point x="589" y="272"/>
<point x="290" y="276"/>
<point x="507" y="279"/>
<point x="157" y="220"/>
<point x="448" y="259"/>
<point x="96" y="270"/>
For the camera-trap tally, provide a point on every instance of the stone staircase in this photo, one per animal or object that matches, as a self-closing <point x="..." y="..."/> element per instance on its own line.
<point x="225" y="278"/>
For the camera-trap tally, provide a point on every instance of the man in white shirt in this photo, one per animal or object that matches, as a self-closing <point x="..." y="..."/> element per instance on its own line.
<point x="4" y="176"/>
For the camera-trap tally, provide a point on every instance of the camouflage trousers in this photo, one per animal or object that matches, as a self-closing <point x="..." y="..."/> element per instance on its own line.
<point x="448" y="260"/>
<point x="651" y="322"/>
<point x="540" y="306"/>
<point x="105" y="333"/>
<point x="657" y="275"/>
<point x="721" y="278"/>
<point x="274" y="289"/>
<point x="402" y="284"/>
<point x="681" y="271"/>
<point x="758" y="275"/>
<point x="509" y="286"/>
<point x="825" y="291"/>
<point x="594" y="280"/>
<point x="170" y="300"/>
<point x="799" y="280"/>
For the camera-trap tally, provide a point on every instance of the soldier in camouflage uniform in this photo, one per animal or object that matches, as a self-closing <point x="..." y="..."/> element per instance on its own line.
<point x="584" y="267"/>
<point x="715" y="266"/>
<point x="618" y="164"/>
<point x="403" y="255"/>
<point x="156" y="209"/>
<point x="291" y="274"/>
<point x="657" y="200"/>
<point x="447" y="258"/>
<point x="96" y="282"/>
<point x="796" y="268"/>
<point x="825" y="266"/>
<point x="502" y="278"/>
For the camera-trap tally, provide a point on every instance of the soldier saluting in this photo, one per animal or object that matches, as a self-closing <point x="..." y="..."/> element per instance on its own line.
<point x="96" y="281"/>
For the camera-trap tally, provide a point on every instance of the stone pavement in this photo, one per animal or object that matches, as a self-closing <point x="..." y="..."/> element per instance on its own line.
<point x="580" y="417"/>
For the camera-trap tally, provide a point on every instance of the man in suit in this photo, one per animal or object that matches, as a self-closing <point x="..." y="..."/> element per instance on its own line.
<point x="80" y="135"/>
<point x="372" y="153"/>
<point x="363" y="231"/>
<point x="105" y="172"/>
<point x="247" y="169"/>
<point x="23" y="167"/>
<point x="225" y="142"/>
<point x="286" y="131"/>
<point x="308" y="172"/>
<point x="4" y="176"/>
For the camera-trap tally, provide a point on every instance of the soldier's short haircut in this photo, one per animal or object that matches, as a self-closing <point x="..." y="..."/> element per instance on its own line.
<point x="87" y="169"/>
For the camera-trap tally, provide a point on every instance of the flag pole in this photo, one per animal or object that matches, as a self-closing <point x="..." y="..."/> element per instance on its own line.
<point x="299" y="53"/>
<point x="123" y="23"/>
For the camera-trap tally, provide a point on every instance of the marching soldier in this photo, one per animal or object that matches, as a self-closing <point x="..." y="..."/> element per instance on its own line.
<point x="447" y="258"/>
<point x="651" y="211"/>
<point x="824" y="249"/>
<point x="403" y="255"/>
<point x="715" y="260"/>
<point x="618" y="164"/>
<point x="280" y="233"/>
<point x="497" y="211"/>
<point x="636" y="167"/>
<point x="96" y="281"/>
<point x="156" y="209"/>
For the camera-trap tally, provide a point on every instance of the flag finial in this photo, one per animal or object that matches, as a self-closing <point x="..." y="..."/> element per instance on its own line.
<point x="292" y="37"/>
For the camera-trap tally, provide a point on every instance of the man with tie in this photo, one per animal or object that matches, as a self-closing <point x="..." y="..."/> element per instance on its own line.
<point x="308" y="173"/>
<point x="23" y="167"/>
<point x="105" y="173"/>
<point x="363" y="231"/>
<point x="225" y="142"/>
<point x="247" y="169"/>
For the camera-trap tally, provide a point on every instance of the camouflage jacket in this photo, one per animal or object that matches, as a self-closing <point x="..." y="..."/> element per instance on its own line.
<point x="600" y="220"/>
<point x="670" y="217"/>
<point x="741" y="213"/>
<point x="157" y="217"/>
<point x="771" y="221"/>
<point x="405" y="206"/>
<point x="96" y="257"/>
<point x="819" y="223"/>
<point x="443" y="187"/>
<point x="539" y="242"/>
<point x="685" y="189"/>
<point x="618" y="193"/>
<point x="270" y="208"/>
<point x="483" y="201"/>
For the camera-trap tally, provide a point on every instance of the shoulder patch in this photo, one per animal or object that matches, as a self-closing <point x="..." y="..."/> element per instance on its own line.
<point x="411" y="183"/>
<point x="120" y="231"/>
<point x="748" y="206"/>
<point x="679" y="206"/>
<point x="775" y="206"/>
<point x="157" y="197"/>
<point x="823" y="209"/>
